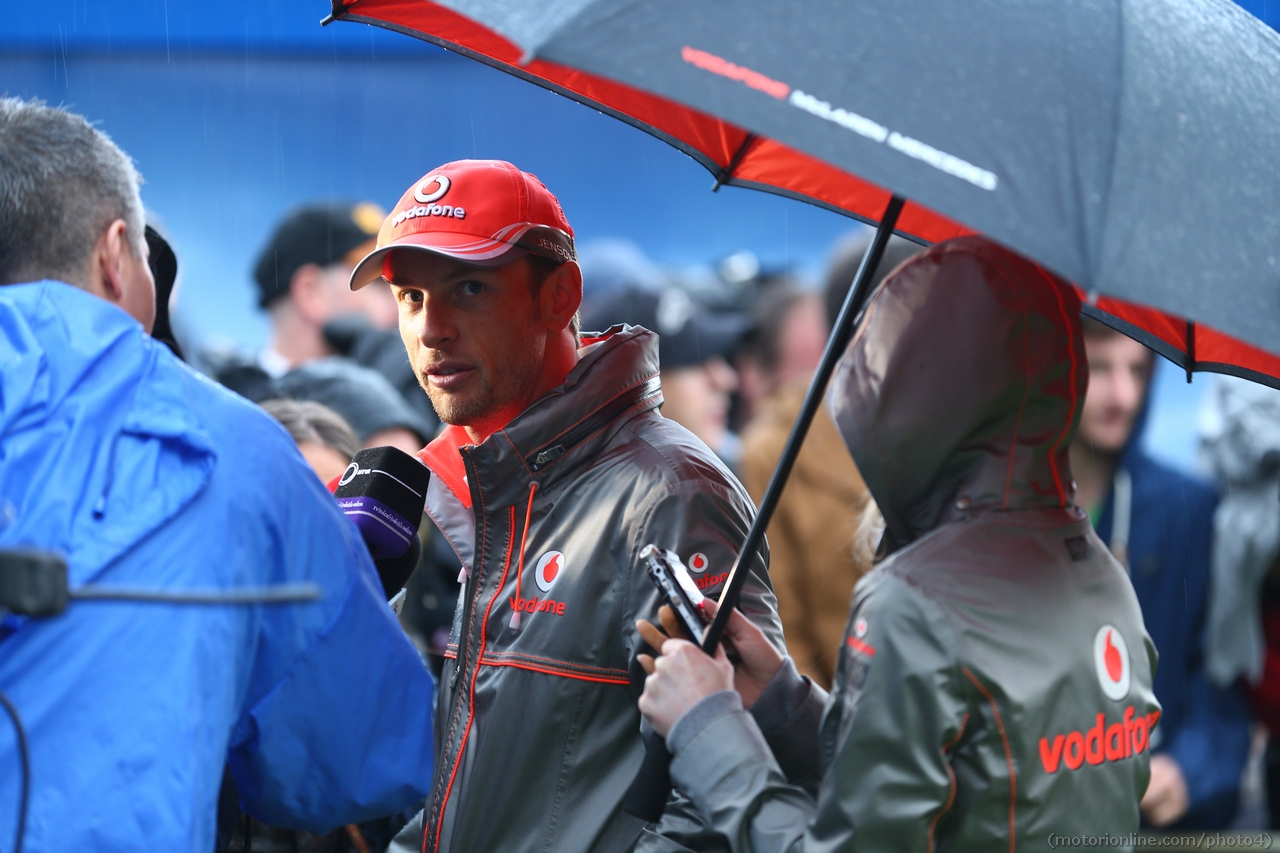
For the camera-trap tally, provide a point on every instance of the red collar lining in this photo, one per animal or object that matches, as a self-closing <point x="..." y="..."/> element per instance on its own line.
<point x="444" y="457"/>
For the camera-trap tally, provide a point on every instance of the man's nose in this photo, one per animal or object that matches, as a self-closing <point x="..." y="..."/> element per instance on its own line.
<point x="436" y="324"/>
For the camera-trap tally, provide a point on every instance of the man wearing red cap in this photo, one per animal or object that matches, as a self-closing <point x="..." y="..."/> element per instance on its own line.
<point x="554" y="471"/>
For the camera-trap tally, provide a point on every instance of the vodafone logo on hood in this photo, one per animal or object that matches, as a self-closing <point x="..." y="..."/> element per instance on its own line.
<point x="1111" y="661"/>
<point x="698" y="563"/>
<point x="549" y="567"/>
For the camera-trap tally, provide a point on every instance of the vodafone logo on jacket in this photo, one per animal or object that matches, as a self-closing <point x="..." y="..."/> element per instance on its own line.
<point x="1111" y="662"/>
<point x="549" y="567"/>
<point x="698" y="565"/>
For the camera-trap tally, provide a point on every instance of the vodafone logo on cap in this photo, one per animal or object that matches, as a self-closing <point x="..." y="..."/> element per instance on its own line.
<point x="549" y="567"/>
<point x="1111" y="661"/>
<point x="421" y="195"/>
<point x="698" y="563"/>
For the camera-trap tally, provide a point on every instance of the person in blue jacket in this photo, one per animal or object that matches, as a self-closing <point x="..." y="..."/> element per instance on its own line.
<point x="145" y="475"/>
<point x="1159" y="524"/>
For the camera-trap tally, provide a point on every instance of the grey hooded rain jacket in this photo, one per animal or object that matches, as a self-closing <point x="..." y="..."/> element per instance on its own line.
<point x="537" y="731"/>
<point x="994" y="686"/>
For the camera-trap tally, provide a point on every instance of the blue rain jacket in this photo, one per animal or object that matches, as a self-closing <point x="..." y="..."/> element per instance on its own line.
<point x="144" y="474"/>
<point x="1204" y="728"/>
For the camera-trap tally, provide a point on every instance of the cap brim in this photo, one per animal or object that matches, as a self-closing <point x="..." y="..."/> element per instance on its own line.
<point x="475" y="251"/>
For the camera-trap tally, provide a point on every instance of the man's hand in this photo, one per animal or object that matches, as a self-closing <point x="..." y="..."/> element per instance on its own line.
<point x="755" y="660"/>
<point x="1166" y="799"/>
<point x="680" y="679"/>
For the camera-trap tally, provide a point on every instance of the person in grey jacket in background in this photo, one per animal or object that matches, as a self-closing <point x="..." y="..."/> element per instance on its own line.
<point x="994" y="685"/>
<point x="554" y="472"/>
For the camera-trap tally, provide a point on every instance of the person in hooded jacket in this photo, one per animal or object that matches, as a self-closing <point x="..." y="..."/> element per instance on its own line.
<point x="144" y="475"/>
<point x="994" y="684"/>
<point x="1159" y="525"/>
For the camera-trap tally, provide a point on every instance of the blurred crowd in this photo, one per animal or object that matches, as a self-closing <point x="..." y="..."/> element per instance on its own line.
<point x="739" y="342"/>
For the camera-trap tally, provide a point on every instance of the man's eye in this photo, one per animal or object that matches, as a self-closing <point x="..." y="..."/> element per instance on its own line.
<point x="471" y="288"/>
<point x="413" y="297"/>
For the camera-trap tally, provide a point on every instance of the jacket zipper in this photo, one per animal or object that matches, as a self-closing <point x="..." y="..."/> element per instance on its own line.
<point x="460" y="698"/>
<point x="464" y="644"/>
<point x="606" y="414"/>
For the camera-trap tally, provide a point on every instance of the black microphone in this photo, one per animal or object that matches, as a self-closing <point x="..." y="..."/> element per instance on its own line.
<point x="384" y="491"/>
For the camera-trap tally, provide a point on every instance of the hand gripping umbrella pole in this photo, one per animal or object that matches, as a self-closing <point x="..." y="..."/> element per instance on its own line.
<point x="648" y="794"/>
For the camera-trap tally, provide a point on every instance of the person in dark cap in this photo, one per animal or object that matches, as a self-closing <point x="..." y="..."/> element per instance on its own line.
<point x="694" y="346"/>
<point x="376" y="412"/>
<point x="302" y="277"/>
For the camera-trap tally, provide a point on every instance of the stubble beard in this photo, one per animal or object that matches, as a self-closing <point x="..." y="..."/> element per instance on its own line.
<point x="472" y="407"/>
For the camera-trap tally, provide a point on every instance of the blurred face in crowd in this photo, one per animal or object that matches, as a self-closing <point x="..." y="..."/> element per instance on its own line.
<point x="1119" y="372"/>
<point x="400" y="438"/>
<point x="322" y="294"/>
<point x="324" y="460"/>
<point x="478" y="337"/>
<point x="800" y="343"/>
<point x="801" y="336"/>
<point x="697" y="398"/>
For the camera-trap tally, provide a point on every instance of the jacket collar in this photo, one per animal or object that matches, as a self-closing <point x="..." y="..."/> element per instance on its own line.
<point x="615" y="378"/>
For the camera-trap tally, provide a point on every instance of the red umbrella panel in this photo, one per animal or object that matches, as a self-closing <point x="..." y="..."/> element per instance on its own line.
<point x="738" y="157"/>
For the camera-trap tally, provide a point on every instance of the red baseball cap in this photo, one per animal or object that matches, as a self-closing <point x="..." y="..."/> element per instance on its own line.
<point x="482" y="212"/>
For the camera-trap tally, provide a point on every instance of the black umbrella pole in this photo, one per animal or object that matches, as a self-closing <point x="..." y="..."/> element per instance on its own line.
<point x="649" y="792"/>
<point x="841" y="333"/>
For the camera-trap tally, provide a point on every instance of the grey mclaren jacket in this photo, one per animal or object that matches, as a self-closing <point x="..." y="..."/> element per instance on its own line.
<point x="537" y="731"/>
<point x="994" y="686"/>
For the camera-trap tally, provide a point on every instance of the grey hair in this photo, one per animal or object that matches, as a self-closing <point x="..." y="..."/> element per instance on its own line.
<point x="312" y="423"/>
<point x="62" y="183"/>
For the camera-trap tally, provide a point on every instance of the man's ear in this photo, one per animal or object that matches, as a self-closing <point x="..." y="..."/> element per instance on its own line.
<point x="562" y="296"/>
<point x="306" y="289"/>
<point x="106" y="269"/>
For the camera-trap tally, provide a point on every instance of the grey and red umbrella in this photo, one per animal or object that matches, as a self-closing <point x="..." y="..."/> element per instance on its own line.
<point x="1132" y="146"/>
<point x="1128" y="145"/>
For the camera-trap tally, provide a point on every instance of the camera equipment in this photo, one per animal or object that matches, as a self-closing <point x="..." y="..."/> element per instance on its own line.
<point x="677" y="588"/>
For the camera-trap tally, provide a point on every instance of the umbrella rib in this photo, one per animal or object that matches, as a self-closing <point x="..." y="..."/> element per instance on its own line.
<point x="725" y="174"/>
<point x="1191" y="349"/>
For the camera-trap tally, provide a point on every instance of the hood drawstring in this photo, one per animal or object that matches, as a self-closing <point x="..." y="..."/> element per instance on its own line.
<point x="524" y="536"/>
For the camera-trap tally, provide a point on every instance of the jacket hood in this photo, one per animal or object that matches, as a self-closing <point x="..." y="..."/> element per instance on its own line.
<point x="100" y="447"/>
<point x="962" y="387"/>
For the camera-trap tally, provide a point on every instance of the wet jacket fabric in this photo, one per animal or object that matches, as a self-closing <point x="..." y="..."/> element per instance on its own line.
<point x="145" y="475"/>
<point x="537" y="730"/>
<point x="994" y="687"/>
<point x="1168" y="547"/>
<point x="811" y="561"/>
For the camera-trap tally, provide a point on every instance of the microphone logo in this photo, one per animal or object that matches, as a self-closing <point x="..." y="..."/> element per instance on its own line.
<point x="350" y="474"/>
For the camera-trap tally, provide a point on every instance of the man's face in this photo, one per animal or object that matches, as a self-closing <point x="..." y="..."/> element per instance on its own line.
<point x="473" y="335"/>
<point x="327" y="295"/>
<point x="697" y="398"/>
<point x="1119" y="371"/>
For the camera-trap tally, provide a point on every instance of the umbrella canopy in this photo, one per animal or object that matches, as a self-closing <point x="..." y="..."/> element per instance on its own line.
<point x="1129" y="145"/>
